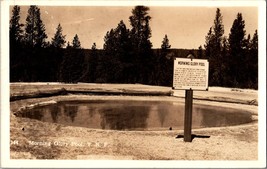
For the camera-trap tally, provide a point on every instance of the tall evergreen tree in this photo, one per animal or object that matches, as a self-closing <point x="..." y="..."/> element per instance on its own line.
<point x="225" y="66"/>
<point x="254" y="42"/>
<point x="93" y="63"/>
<point x="56" y="48"/>
<point x="35" y="29"/>
<point x="94" y="47"/>
<point x="200" y="52"/>
<point x="252" y="61"/>
<point x="124" y="53"/>
<point x="118" y="54"/>
<point x="15" y="27"/>
<point x="76" y="44"/>
<point x="165" y="43"/>
<point x="140" y="35"/>
<point x="108" y="64"/>
<point x="254" y="55"/>
<point x="237" y="50"/>
<point x="109" y="41"/>
<point x="209" y="43"/>
<point x="140" y="31"/>
<point x="164" y="66"/>
<point x="15" y="45"/>
<point x="218" y="29"/>
<point x="58" y="40"/>
<point x="68" y="45"/>
<point x="213" y="46"/>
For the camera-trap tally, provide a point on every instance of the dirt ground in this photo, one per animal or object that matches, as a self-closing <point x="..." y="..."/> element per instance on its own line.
<point x="32" y="139"/>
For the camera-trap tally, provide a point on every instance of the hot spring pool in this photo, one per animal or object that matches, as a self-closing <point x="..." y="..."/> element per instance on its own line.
<point x="135" y="115"/>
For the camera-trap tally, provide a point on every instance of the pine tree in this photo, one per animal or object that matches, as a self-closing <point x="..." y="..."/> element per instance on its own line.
<point x="94" y="63"/>
<point x="103" y="67"/>
<point x="252" y="61"/>
<point x="93" y="48"/>
<point x="213" y="46"/>
<point x="109" y="41"/>
<point x="237" y="52"/>
<point x="35" y="30"/>
<point x="237" y="35"/>
<point x="68" y="45"/>
<point x="106" y="68"/>
<point x="200" y="52"/>
<point x="124" y="56"/>
<point x="140" y="31"/>
<point x="209" y="44"/>
<point x="140" y="35"/>
<point x="58" y="40"/>
<point x="218" y="30"/>
<point x="15" y="45"/>
<point x="164" y="65"/>
<point x="118" y="55"/>
<point x="165" y="43"/>
<point x="225" y="66"/>
<point x="254" y="42"/>
<point x="76" y="44"/>
<point x="124" y="44"/>
<point x="56" y="47"/>
<point x="15" y="27"/>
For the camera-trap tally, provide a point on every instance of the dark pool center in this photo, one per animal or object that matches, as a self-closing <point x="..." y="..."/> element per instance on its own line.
<point x="135" y="115"/>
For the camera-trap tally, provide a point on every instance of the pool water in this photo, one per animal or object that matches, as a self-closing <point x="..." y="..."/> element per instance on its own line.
<point x="135" y="115"/>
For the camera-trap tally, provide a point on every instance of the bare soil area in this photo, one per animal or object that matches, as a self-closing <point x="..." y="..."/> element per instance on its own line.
<point x="32" y="139"/>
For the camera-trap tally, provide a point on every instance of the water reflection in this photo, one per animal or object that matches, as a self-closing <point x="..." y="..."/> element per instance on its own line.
<point x="162" y="113"/>
<point x="135" y="115"/>
<point x="70" y="111"/>
<point x="54" y="111"/>
<point x="33" y="114"/>
<point x="126" y="117"/>
<point x="91" y="111"/>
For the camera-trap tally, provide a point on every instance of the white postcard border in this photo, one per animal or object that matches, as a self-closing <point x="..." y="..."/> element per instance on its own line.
<point x="5" y="135"/>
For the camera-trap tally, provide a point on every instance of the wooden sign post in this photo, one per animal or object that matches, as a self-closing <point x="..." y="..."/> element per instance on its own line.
<point x="188" y="115"/>
<point x="190" y="74"/>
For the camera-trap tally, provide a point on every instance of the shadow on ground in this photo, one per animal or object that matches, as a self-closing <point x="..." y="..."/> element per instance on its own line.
<point x="193" y="136"/>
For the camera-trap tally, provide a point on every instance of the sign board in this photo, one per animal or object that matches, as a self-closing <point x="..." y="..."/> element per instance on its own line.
<point x="190" y="74"/>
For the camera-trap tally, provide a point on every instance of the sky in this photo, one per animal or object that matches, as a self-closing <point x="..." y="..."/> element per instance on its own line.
<point x="186" y="27"/>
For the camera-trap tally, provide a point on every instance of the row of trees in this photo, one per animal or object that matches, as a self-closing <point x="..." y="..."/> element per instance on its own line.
<point x="233" y="60"/>
<point x="32" y="58"/>
<point x="127" y="55"/>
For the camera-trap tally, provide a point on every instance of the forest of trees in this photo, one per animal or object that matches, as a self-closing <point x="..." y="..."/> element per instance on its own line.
<point x="127" y="55"/>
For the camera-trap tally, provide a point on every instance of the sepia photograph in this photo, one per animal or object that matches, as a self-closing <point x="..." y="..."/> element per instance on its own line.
<point x="133" y="84"/>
